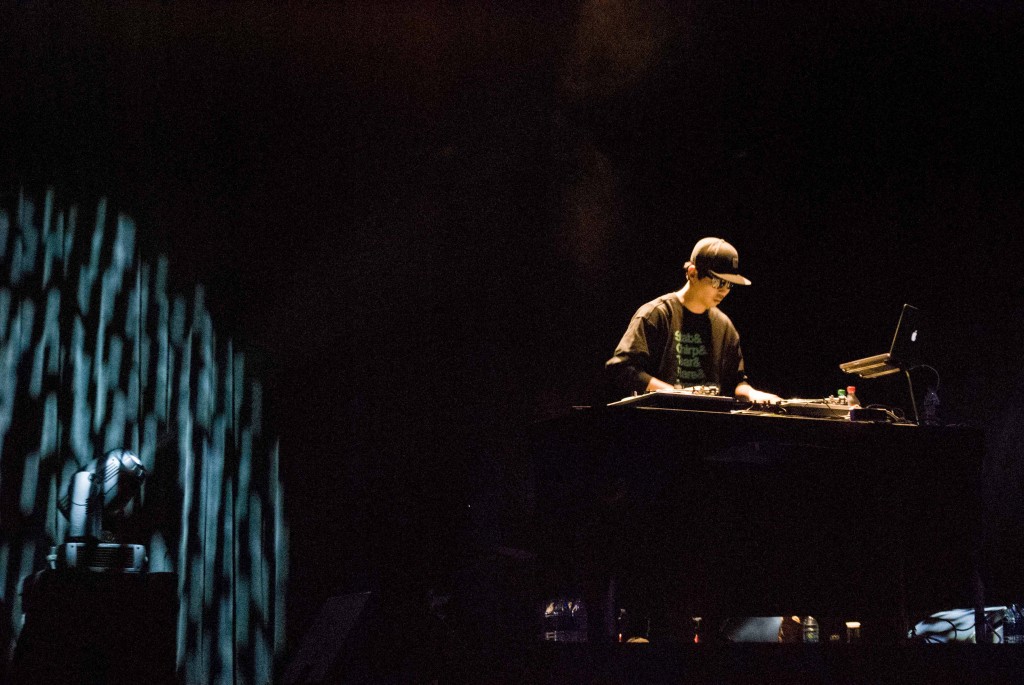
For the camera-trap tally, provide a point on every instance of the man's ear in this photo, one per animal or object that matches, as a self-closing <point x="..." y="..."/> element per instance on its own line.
<point x="691" y="271"/>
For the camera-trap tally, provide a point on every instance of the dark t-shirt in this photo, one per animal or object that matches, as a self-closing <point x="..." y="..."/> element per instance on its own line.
<point x="692" y="348"/>
<point x="671" y="343"/>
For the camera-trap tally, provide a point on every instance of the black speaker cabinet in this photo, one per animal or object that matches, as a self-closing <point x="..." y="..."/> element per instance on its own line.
<point x="88" y="627"/>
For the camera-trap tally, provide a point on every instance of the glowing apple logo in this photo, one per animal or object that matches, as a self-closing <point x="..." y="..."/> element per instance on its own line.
<point x="913" y="337"/>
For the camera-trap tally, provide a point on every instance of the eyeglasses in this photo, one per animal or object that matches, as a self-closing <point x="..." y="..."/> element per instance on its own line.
<point x="719" y="283"/>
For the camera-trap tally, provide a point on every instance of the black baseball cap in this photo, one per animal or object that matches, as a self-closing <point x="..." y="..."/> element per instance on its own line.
<point x="715" y="257"/>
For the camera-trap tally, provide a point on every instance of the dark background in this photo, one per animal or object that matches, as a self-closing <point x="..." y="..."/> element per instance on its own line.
<point x="429" y="224"/>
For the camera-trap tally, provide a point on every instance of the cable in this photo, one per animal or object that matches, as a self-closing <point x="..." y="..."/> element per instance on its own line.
<point x="938" y="379"/>
<point x="932" y="638"/>
<point x="895" y="414"/>
<point x="956" y="632"/>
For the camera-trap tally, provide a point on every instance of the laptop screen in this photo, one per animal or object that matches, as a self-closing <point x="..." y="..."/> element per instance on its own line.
<point x="903" y="353"/>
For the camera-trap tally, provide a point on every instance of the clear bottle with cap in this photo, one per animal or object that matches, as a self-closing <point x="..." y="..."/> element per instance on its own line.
<point x="930" y="415"/>
<point x="1013" y="625"/>
<point x="851" y="396"/>
<point x="811" y="634"/>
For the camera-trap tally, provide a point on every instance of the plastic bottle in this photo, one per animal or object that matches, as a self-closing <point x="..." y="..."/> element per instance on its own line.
<point x="851" y="396"/>
<point x="930" y="415"/>
<point x="1013" y="626"/>
<point x="810" y="630"/>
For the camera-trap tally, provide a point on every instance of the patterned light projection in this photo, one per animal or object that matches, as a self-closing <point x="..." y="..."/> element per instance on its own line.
<point x="95" y="353"/>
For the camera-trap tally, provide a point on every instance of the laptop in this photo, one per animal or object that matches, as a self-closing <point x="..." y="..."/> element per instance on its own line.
<point x="902" y="353"/>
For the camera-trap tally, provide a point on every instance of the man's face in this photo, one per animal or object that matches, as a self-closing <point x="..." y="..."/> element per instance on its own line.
<point x="709" y="291"/>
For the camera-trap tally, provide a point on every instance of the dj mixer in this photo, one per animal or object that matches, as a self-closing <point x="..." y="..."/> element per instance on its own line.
<point x="824" y="408"/>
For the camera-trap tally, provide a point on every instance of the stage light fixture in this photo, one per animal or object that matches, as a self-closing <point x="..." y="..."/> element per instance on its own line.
<point x="100" y="501"/>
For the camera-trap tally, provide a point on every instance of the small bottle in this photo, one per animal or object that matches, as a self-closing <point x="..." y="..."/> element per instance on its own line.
<point x="930" y="415"/>
<point x="852" y="632"/>
<point x="851" y="396"/>
<point x="841" y="394"/>
<point x="810" y="630"/>
<point x="1013" y="626"/>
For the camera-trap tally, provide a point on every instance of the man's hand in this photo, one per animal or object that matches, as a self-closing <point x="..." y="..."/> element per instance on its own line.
<point x="658" y="384"/>
<point x="745" y="391"/>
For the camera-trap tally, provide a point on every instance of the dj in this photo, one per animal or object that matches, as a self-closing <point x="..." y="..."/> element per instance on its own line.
<point x="682" y="339"/>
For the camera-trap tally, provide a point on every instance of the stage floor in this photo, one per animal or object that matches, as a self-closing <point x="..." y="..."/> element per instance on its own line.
<point x="742" y="663"/>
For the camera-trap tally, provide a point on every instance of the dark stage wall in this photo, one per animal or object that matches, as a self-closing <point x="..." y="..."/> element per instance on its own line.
<point x="433" y="222"/>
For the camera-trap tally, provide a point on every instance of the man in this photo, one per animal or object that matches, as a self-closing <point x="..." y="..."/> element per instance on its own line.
<point x="682" y="339"/>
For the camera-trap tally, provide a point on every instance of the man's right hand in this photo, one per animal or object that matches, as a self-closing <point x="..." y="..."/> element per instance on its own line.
<point x="656" y="384"/>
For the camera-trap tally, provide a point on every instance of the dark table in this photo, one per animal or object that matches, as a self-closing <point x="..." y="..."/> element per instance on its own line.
<point x="741" y="514"/>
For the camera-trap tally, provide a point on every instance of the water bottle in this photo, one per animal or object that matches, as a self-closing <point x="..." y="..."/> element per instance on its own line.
<point x="930" y="416"/>
<point x="1013" y="626"/>
<point x="810" y="630"/>
<point x="851" y="396"/>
